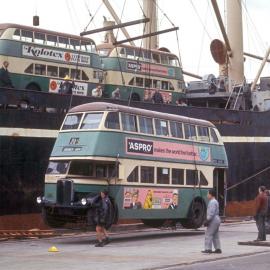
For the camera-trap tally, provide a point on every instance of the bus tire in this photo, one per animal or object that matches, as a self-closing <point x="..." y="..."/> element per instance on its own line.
<point x="155" y="223"/>
<point x="135" y="97"/>
<point x="33" y="86"/>
<point x="196" y="215"/>
<point x="52" y="221"/>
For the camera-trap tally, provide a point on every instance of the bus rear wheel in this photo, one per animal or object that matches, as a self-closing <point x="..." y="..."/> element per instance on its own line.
<point x="196" y="215"/>
<point x="155" y="223"/>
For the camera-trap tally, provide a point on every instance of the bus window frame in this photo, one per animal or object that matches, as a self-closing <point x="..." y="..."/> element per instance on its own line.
<point x="91" y="113"/>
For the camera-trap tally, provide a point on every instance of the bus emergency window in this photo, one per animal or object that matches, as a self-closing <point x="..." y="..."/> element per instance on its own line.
<point x="51" y="40"/>
<point x="176" y="129"/>
<point x="57" y="167"/>
<point x="63" y="72"/>
<point x="177" y="176"/>
<point x="203" y="180"/>
<point x="163" y="175"/>
<point x="161" y="127"/>
<point x="112" y="120"/>
<point x="52" y="71"/>
<point x="129" y="122"/>
<point x="63" y="42"/>
<point x="156" y="57"/>
<point x="192" y="177"/>
<point x="30" y="69"/>
<point x="17" y="34"/>
<point x="203" y="134"/>
<point x="82" y="168"/>
<point x="72" y="121"/>
<point x="40" y="69"/>
<point x="91" y="121"/>
<point x="39" y="38"/>
<point x="146" y="125"/>
<point x="27" y="36"/>
<point x="134" y="175"/>
<point x="214" y="137"/>
<point x="190" y="132"/>
<point x="139" y="81"/>
<point x="130" y="53"/>
<point x="84" y="76"/>
<point x="147" y="174"/>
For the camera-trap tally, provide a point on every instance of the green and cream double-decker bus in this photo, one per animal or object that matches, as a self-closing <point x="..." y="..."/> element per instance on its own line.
<point x="138" y="73"/>
<point x="41" y="59"/>
<point x="156" y="166"/>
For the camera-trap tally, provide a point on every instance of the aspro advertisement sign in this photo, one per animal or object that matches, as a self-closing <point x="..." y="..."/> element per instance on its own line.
<point x="79" y="88"/>
<point x="150" y="198"/>
<point x="167" y="150"/>
<point x="150" y="68"/>
<point x="62" y="56"/>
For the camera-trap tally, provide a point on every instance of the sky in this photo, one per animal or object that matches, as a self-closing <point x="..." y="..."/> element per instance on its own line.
<point x="195" y="19"/>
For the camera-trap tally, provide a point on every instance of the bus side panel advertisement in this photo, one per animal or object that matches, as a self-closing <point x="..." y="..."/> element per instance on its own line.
<point x="62" y="56"/>
<point x="79" y="89"/>
<point x="167" y="150"/>
<point x="150" y="198"/>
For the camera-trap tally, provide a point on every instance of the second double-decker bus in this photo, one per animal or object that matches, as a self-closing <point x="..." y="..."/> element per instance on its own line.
<point x="156" y="166"/>
<point x="138" y="73"/>
<point x="41" y="59"/>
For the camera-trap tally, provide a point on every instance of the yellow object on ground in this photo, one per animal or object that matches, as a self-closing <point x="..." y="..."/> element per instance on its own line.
<point x="53" y="249"/>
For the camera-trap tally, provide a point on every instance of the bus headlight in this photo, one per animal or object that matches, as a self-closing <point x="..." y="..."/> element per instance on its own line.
<point x="83" y="201"/>
<point x="39" y="200"/>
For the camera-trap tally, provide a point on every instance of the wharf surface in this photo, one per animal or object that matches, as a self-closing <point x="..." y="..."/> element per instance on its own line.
<point x="131" y="249"/>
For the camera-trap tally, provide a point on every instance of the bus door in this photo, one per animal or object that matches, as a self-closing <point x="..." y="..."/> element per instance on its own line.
<point x="220" y="186"/>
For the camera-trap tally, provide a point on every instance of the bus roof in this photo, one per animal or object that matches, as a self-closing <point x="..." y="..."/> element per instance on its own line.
<point x="4" y="26"/>
<point x="104" y="106"/>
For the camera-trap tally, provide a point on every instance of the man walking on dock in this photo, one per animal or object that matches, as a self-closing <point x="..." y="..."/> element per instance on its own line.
<point x="261" y="210"/>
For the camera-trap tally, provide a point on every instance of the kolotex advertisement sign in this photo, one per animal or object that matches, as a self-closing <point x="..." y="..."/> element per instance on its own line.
<point x="56" y="55"/>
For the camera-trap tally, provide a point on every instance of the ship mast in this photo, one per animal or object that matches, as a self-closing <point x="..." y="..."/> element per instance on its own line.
<point x="235" y="36"/>
<point x="150" y="11"/>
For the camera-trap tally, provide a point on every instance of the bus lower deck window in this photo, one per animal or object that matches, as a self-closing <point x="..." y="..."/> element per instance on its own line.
<point x="52" y="71"/>
<point x="177" y="176"/>
<point x="63" y="72"/>
<point x="83" y="168"/>
<point x="147" y="174"/>
<point x="40" y="69"/>
<point x="163" y="175"/>
<point x="192" y="177"/>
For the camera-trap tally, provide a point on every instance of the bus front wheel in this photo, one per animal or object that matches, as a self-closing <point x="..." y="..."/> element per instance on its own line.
<point x="196" y="215"/>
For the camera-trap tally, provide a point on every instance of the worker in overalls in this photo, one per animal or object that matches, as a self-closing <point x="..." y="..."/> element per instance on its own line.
<point x="212" y="223"/>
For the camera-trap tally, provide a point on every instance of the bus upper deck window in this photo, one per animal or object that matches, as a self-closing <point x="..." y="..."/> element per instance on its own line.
<point x="130" y="53"/>
<point x="148" y="83"/>
<point x="63" y="42"/>
<point x="156" y="84"/>
<point x="171" y="86"/>
<point x="17" y="34"/>
<point x="176" y="129"/>
<point x="27" y="36"/>
<point x="74" y="44"/>
<point x="164" y="59"/>
<point x="156" y="57"/>
<point x="190" y="132"/>
<point x="129" y="122"/>
<point x="122" y="52"/>
<point x="52" y="71"/>
<point x="75" y="74"/>
<point x="164" y="85"/>
<point x="146" y="125"/>
<point x="173" y="61"/>
<point x="91" y="121"/>
<point x="51" y="40"/>
<point x="112" y="120"/>
<point x="138" y="53"/>
<point x="39" y="38"/>
<point x="203" y="134"/>
<point x="214" y="137"/>
<point x="161" y="127"/>
<point x="72" y="121"/>
<point x="147" y="56"/>
<point x="131" y="82"/>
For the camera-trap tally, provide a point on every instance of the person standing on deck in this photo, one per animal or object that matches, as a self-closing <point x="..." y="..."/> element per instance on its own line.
<point x="212" y="223"/>
<point x="5" y="80"/>
<point x="261" y="211"/>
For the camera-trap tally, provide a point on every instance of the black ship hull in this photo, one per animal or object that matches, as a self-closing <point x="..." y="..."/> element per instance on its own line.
<point x="27" y="137"/>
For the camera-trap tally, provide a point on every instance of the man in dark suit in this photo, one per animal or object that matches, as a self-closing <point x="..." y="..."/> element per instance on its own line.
<point x="135" y="203"/>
